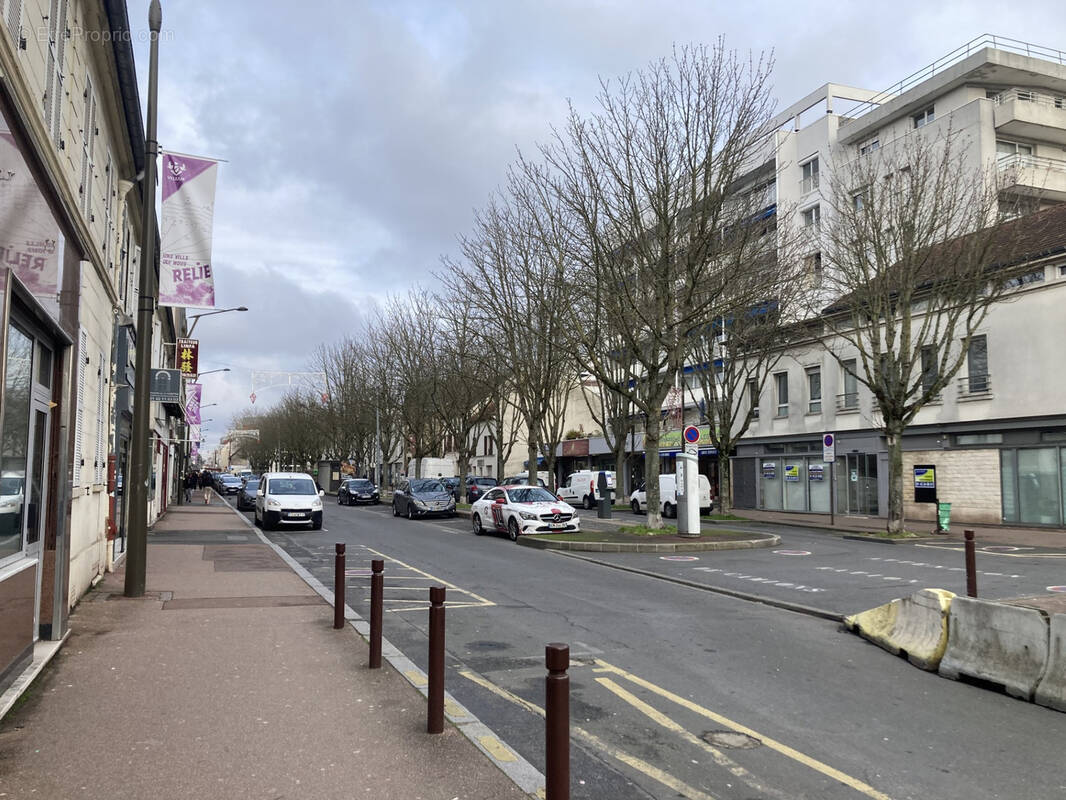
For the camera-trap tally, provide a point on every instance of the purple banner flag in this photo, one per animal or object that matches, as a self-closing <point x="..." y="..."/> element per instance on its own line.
<point x="186" y="277"/>
<point x="192" y="402"/>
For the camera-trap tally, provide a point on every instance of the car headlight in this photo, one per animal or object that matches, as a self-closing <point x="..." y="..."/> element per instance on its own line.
<point x="527" y="515"/>
<point x="419" y="503"/>
<point x="316" y="504"/>
<point x="273" y="504"/>
<point x="575" y="519"/>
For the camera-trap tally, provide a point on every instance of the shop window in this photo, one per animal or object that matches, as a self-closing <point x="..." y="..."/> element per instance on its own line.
<point x="14" y="441"/>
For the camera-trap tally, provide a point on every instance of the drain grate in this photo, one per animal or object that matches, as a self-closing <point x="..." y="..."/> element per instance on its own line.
<point x="731" y="739"/>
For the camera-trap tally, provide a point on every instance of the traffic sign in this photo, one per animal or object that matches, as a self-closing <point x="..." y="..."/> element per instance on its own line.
<point x="692" y="434"/>
<point x="829" y="448"/>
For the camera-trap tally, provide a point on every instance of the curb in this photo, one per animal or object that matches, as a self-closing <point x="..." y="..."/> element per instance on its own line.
<point x="798" y="608"/>
<point x="879" y="540"/>
<point x="769" y="540"/>
<point x="524" y="775"/>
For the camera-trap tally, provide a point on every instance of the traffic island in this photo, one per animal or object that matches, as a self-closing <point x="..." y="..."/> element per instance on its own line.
<point x="886" y="537"/>
<point x="639" y="539"/>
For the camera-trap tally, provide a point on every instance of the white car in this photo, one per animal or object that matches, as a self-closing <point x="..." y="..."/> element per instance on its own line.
<point x="288" y="498"/>
<point x="583" y="487"/>
<point x="520" y="510"/>
<point x="638" y="501"/>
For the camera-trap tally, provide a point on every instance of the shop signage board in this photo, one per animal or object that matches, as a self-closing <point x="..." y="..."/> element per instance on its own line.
<point x="165" y="386"/>
<point x="815" y="472"/>
<point x="769" y="469"/>
<point x="189" y="357"/>
<point x="792" y="472"/>
<point x="925" y="483"/>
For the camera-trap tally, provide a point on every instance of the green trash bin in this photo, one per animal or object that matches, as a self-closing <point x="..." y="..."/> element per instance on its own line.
<point x="943" y="516"/>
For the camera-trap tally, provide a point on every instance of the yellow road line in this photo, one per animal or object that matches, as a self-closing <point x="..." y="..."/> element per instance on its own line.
<point x="497" y="749"/>
<point x="416" y="677"/>
<point x="594" y="741"/>
<point x="773" y="744"/>
<point x="720" y="758"/>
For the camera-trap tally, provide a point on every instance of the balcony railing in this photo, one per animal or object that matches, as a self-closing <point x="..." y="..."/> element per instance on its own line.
<point x="1019" y="161"/>
<point x="848" y="401"/>
<point x="1030" y="96"/>
<point x="975" y="384"/>
<point x="952" y="58"/>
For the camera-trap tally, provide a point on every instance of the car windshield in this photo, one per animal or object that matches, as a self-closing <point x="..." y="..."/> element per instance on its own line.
<point x="302" y="486"/>
<point x="427" y="486"/>
<point x="361" y="484"/>
<point x="251" y="484"/>
<point x="485" y="481"/>
<point x="10" y="486"/>
<point x="531" y="494"/>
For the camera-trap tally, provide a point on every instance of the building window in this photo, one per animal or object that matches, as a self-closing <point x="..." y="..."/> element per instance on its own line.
<point x="871" y="146"/>
<point x="809" y="173"/>
<point x="923" y="118"/>
<point x="977" y="378"/>
<point x="1060" y="102"/>
<point x="781" y="380"/>
<point x="850" y="398"/>
<point x="1036" y="276"/>
<point x="753" y="397"/>
<point x="1062" y="271"/>
<point x="930" y="368"/>
<point x="814" y="390"/>
<point x="814" y="268"/>
<point x="963" y="439"/>
<point x="812" y="218"/>
<point x="1006" y="149"/>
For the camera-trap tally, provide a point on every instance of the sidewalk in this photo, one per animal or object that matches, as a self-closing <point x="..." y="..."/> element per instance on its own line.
<point x="226" y="681"/>
<point x="984" y="534"/>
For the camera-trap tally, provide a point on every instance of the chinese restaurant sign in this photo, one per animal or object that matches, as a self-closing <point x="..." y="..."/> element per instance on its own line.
<point x="189" y="357"/>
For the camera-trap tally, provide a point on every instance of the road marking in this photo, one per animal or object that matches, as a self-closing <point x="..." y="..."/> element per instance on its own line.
<point x="479" y="600"/>
<point x="799" y="587"/>
<point x="416" y="677"/>
<point x="594" y="741"/>
<point x="990" y="553"/>
<point x="497" y="749"/>
<point x="720" y="758"/>
<point x="773" y="744"/>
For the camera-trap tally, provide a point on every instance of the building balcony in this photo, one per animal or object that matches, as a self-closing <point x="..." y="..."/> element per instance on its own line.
<point x="1028" y="114"/>
<point x="972" y="386"/>
<point x="848" y="402"/>
<point x="1033" y="176"/>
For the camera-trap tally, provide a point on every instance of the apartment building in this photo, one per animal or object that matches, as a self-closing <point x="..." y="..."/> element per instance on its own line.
<point x="995" y="435"/>
<point x="71" y="153"/>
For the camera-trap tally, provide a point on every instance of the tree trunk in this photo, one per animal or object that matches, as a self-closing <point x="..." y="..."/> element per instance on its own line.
<point x="532" y="451"/>
<point x="621" y="495"/>
<point x="894" y="439"/>
<point x="651" y="470"/>
<point x="725" y="483"/>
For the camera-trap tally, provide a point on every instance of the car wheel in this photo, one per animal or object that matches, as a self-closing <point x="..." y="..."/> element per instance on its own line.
<point x="512" y="529"/>
<point x="636" y="507"/>
<point x="316" y="526"/>
<point x="410" y="511"/>
<point x="476" y="522"/>
<point x="586" y="502"/>
<point x="339" y="499"/>
<point x="669" y="511"/>
<point x="395" y="511"/>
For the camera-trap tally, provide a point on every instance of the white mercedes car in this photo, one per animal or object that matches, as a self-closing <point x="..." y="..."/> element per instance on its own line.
<point x="519" y="510"/>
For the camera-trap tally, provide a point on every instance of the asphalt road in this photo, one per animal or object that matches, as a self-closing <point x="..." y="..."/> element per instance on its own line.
<point x="669" y="682"/>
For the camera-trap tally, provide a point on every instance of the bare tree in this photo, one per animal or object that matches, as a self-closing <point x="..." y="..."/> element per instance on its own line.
<point x="910" y="247"/>
<point x="644" y="187"/>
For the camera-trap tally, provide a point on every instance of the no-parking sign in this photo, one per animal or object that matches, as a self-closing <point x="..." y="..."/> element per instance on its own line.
<point x="829" y="448"/>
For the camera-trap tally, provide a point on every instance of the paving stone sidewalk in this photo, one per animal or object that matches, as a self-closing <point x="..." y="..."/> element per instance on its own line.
<point x="226" y="681"/>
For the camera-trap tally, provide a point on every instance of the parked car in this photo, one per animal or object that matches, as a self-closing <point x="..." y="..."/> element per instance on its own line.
<point x="476" y="485"/>
<point x="358" y="490"/>
<point x="583" y="487"/>
<point x="522" y="480"/>
<point x="452" y="485"/>
<point x="246" y="496"/>
<point x="288" y="498"/>
<point x="519" y="510"/>
<point x="420" y="497"/>
<point x="668" y="496"/>
<point x="228" y="484"/>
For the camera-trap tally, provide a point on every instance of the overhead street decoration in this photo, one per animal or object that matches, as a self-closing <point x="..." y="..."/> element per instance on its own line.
<point x="189" y="357"/>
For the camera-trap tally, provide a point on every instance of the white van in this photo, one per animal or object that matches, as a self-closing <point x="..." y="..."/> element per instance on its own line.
<point x="583" y="487"/>
<point x="638" y="501"/>
<point x="288" y="498"/>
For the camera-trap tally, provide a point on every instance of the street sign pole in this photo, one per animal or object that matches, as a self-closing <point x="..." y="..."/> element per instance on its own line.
<point x="829" y="456"/>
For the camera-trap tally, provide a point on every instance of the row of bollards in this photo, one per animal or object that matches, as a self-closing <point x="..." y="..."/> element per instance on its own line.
<point x="556" y="685"/>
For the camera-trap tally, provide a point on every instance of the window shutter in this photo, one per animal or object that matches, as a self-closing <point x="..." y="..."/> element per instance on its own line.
<point x="100" y="461"/>
<point x="79" y="413"/>
<point x="14" y="19"/>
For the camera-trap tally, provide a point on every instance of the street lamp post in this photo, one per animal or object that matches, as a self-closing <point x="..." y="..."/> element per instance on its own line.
<point x="196" y="317"/>
<point x="140" y="457"/>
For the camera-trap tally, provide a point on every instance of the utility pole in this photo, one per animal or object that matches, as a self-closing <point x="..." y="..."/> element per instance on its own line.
<point x="377" y="447"/>
<point x="140" y="457"/>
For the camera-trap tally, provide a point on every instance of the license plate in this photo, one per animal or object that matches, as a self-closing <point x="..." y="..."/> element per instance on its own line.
<point x="296" y="515"/>
<point x="558" y="525"/>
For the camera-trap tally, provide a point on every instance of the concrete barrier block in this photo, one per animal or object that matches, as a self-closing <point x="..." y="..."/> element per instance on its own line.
<point x="1052" y="689"/>
<point x="995" y="642"/>
<point x="915" y="626"/>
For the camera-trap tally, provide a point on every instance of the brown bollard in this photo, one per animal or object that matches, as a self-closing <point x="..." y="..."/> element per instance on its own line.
<point x="377" y="589"/>
<point x="435" y="712"/>
<point x="557" y="722"/>
<point x="338" y="587"/>
<point x="971" y="564"/>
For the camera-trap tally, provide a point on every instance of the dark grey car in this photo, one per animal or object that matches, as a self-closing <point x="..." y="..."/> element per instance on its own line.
<point x="357" y="490"/>
<point x="422" y="497"/>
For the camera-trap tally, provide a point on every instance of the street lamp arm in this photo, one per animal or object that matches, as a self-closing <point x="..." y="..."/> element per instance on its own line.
<point x="196" y="317"/>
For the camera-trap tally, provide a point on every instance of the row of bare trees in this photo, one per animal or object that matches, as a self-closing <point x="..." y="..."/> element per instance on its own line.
<point x="643" y="242"/>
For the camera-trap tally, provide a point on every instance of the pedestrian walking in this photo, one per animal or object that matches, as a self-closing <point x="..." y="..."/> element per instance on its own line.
<point x="192" y="481"/>
<point x="205" y="484"/>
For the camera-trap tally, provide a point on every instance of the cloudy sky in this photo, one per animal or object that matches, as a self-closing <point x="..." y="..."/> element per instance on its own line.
<point x="359" y="136"/>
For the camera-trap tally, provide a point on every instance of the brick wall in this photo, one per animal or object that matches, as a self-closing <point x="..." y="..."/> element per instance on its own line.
<point x="968" y="479"/>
